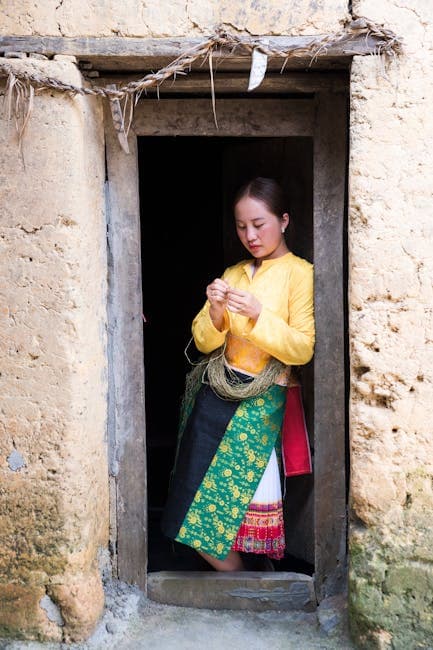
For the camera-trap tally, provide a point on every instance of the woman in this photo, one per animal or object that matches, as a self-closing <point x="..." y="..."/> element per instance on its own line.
<point x="258" y="321"/>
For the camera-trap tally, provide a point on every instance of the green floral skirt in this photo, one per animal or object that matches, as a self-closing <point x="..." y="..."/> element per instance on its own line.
<point x="222" y="455"/>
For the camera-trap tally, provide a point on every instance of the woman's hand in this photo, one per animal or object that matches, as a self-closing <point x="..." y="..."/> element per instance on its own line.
<point x="216" y="293"/>
<point x="244" y="303"/>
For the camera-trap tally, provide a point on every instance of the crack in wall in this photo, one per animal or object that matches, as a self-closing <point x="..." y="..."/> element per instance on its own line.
<point x="58" y="23"/>
<point x="235" y="28"/>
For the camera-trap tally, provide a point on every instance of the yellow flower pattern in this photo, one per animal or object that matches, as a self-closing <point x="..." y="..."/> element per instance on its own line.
<point x="220" y="503"/>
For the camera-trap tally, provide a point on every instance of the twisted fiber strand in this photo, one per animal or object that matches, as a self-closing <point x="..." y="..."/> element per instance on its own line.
<point x="387" y="43"/>
<point x="213" y="370"/>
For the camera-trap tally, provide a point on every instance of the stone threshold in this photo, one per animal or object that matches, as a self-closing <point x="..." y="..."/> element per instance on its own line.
<point x="257" y="591"/>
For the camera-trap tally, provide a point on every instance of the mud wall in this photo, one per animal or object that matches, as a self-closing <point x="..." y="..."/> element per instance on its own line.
<point x="53" y="477"/>
<point x="391" y="337"/>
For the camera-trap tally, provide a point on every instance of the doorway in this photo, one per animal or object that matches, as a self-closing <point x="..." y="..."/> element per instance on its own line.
<point x="248" y="131"/>
<point x="187" y="236"/>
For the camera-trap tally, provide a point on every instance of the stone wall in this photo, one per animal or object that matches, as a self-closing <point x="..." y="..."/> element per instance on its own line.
<point x="169" y="18"/>
<point x="53" y="476"/>
<point x="391" y="336"/>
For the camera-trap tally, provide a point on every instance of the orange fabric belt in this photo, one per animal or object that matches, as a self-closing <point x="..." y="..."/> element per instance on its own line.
<point x="243" y="355"/>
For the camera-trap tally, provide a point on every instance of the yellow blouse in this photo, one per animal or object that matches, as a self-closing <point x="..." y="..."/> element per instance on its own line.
<point x="285" y="326"/>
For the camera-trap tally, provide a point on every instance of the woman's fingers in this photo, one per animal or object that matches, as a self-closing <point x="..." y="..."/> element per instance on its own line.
<point x="236" y="305"/>
<point x="238" y="298"/>
<point x="217" y="291"/>
<point x="236" y="302"/>
<point x="221" y="283"/>
<point x="237" y="293"/>
<point x="244" y="303"/>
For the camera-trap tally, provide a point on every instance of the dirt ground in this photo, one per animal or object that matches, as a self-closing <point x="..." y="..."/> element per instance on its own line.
<point x="131" y="622"/>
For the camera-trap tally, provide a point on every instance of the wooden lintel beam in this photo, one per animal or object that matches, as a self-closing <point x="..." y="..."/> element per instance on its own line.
<point x="237" y="82"/>
<point x="87" y="48"/>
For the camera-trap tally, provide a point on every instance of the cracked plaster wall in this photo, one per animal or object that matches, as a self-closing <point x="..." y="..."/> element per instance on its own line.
<point x="391" y="335"/>
<point x="169" y="18"/>
<point x="53" y="468"/>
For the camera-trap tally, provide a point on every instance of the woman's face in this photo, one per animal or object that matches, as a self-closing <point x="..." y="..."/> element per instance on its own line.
<point x="259" y="229"/>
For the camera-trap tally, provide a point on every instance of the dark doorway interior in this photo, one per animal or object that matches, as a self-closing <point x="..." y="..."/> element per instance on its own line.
<point x="186" y="189"/>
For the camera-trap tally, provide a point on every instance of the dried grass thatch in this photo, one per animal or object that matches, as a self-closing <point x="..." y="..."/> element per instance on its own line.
<point x="22" y="85"/>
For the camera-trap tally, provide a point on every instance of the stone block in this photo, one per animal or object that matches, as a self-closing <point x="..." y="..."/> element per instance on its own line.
<point x="254" y="591"/>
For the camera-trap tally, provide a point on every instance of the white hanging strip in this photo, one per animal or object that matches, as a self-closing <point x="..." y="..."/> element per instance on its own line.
<point x="259" y="63"/>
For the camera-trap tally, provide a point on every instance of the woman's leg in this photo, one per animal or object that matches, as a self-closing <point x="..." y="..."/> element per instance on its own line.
<point x="233" y="562"/>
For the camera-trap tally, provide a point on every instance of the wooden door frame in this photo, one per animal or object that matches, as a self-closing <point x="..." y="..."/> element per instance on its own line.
<point x="324" y="118"/>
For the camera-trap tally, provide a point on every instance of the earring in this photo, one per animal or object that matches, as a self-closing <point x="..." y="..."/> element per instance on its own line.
<point x="282" y="230"/>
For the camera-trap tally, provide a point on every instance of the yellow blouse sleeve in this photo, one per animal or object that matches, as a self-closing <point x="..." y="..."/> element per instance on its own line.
<point x="292" y="342"/>
<point x="206" y="336"/>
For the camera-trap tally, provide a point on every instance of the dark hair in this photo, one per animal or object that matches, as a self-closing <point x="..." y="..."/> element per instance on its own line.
<point x="266" y="190"/>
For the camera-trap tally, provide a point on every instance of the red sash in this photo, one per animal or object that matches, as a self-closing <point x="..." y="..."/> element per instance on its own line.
<point x="294" y="436"/>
